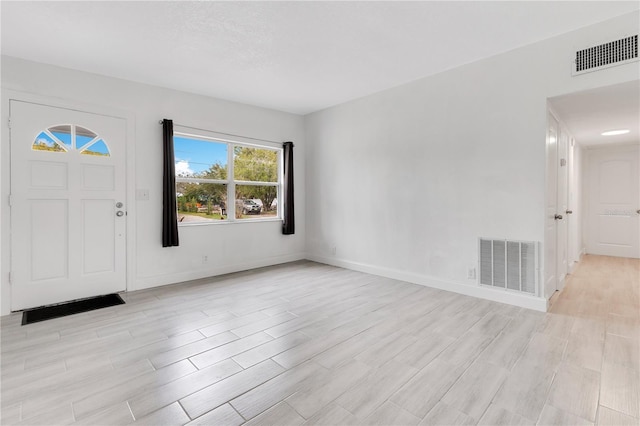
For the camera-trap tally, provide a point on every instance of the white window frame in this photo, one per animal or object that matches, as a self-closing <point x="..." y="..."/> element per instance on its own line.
<point x="231" y="141"/>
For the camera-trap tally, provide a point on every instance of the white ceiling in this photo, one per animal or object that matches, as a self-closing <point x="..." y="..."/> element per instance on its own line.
<point x="587" y="114"/>
<point x="291" y="56"/>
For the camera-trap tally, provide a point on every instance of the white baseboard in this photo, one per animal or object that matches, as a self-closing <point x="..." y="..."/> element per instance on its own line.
<point x="522" y="300"/>
<point x="164" y="279"/>
<point x="574" y="263"/>
<point x="572" y="267"/>
<point x="525" y="301"/>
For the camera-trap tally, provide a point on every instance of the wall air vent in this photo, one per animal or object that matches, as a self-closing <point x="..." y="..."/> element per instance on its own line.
<point x="606" y="55"/>
<point x="509" y="265"/>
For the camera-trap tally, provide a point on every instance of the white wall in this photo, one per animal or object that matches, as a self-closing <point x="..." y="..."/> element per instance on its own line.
<point x="403" y="182"/>
<point x="151" y="265"/>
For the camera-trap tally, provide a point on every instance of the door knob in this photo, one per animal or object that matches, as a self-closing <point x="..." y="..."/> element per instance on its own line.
<point x="569" y="211"/>
<point x="558" y="217"/>
<point x="119" y="204"/>
<point x="119" y="213"/>
<point x="638" y="211"/>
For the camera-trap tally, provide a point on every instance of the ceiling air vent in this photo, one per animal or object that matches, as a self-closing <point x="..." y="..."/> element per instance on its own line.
<point x="606" y="55"/>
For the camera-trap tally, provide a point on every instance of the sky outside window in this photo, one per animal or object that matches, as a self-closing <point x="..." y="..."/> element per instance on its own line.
<point x="195" y="156"/>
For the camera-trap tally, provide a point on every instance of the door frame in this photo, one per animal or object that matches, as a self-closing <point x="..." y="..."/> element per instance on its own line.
<point x="574" y="204"/>
<point x="563" y="145"/>
<point x="9" y="95"/>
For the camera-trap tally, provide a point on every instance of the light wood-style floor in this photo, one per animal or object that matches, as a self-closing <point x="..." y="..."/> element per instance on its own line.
<point x="306" y="343"/>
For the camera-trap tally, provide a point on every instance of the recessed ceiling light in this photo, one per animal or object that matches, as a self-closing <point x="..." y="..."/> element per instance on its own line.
<point x="615" y="132"/>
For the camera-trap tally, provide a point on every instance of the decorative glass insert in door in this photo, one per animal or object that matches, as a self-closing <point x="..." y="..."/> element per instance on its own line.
<point x="71" y="137"/>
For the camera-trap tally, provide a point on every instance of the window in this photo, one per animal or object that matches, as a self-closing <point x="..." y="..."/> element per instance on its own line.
<point x="211" y="171"/>
<point x="69" y="137"/>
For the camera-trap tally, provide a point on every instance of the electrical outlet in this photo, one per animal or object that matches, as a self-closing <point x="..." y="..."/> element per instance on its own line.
<point x="471" y="273"/>
<point x="205" y="258"/>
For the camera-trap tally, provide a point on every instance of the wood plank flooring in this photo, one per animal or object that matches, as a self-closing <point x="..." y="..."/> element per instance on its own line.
<point x="305" y="343"/>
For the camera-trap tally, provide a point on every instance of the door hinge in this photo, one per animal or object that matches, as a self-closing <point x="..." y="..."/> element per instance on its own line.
<point x="9" y="122"/>
<point x="10" y="277"/>
<point x="10" y="200"/>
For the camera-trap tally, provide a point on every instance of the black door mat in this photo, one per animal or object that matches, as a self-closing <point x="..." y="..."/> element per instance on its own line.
<point x="49" y="312"/>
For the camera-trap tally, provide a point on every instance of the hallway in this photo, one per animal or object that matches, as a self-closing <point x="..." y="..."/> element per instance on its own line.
<point x="598" y="314"/>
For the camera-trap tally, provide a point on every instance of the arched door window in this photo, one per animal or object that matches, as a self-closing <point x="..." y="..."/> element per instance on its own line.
<point x="71" y="137"/>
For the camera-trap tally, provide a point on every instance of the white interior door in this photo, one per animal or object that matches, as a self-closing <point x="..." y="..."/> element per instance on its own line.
<point x="67" y="224"/>
<point x="613" y="193"/>
<point x="550" y="258"/>
<point x="561" y="209"/>
<point x="574" y="244"/>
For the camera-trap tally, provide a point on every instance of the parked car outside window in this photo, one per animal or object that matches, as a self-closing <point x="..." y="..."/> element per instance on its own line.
<point x="251" y="207"/>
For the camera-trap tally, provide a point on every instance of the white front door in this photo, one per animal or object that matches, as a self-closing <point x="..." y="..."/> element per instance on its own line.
<point x="550" y="235"/>
<point x="613" y="193"/>
<point x="68" y="218"/>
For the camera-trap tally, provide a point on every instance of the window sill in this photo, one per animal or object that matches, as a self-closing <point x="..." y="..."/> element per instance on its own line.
<point x="228" y="222"/>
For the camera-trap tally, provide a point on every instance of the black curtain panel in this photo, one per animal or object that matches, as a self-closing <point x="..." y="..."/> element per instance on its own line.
<point x="169" y="207"/>
<point x="289" y="224"/>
